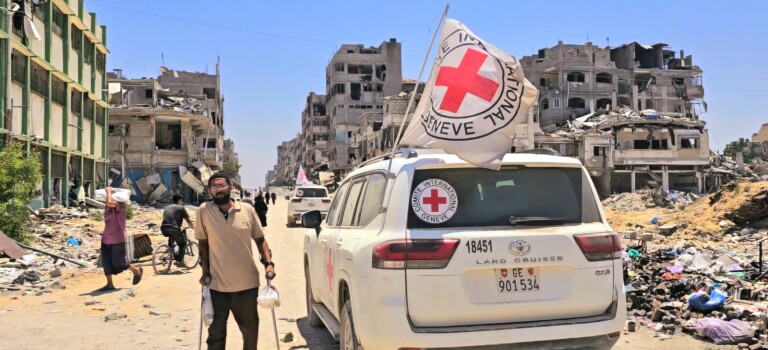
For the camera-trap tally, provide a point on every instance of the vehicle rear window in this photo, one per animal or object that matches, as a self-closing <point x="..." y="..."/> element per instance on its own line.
<point x="489" y="198"/>
<point x="311" y="192"/>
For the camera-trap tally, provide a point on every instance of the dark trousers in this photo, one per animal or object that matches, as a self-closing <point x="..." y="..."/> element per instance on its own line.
<point x="244" y="307"/>
<point x="180" y="238"/>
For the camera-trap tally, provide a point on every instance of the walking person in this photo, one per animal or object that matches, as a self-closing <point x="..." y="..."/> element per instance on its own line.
<point x="266" y="199"/>
<point x="224" y="229"/>
<point x="261" y="209"/>
<point x="274" y="197"/>
<point x="113" y="253"/>
<point x="171" y="227"/>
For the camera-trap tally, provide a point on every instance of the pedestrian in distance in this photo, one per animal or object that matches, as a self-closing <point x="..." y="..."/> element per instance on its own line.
<point x="173" y="215"/>
<point x="114" y="259"/>
<point x="274" y="197"/>
<point x="261" y="209"/>
<point x="266" y="197"/>
<point x="224" y="229"/>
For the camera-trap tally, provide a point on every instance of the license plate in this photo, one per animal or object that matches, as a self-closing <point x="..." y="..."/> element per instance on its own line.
<point x="517" y="280"/>
<point x="311" y="204"/>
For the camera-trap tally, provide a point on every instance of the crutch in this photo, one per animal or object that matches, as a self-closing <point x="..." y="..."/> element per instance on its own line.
<point x="271" y="275"/>
<point x="202" y="315"/>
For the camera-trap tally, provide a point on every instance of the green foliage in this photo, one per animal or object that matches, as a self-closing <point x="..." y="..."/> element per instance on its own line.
<point x="231" y="168"/>
<point x="129" y="211"/>
<point x="741" y="145"/>
<point x="19" y="177"/>
<point x="99" y="217"/>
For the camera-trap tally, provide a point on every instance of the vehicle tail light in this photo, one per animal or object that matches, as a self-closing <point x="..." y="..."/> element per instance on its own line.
<point x="599" y="246"/>
<point x="326" y="200"/>
<point x="296" y="200"/>
<point x="421" y="254"/>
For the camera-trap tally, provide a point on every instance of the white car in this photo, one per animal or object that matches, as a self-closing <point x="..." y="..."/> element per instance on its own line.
<point x="307" y="198"/>
<point x="437" y="253"/>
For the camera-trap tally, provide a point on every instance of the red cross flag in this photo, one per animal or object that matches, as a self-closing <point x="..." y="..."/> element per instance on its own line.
<point x="474" y="99"/>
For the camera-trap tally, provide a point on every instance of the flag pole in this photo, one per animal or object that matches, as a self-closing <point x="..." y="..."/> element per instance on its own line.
<point x="383" y="208"/>
<point x="418" y="81"/>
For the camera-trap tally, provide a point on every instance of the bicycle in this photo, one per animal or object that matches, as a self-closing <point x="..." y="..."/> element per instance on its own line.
<point x="164" y="254"/>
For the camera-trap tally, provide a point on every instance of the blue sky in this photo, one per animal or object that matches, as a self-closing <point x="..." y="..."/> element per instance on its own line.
<point x="274" y="53"/>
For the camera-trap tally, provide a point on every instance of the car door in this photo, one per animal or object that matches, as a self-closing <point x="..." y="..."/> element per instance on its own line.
<point x="320" y="253"/>
<point x="347" y="222"/>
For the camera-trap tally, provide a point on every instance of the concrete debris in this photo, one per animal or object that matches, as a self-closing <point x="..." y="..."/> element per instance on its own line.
<point x="679" y="288"/>
<point x="48" y="258"/>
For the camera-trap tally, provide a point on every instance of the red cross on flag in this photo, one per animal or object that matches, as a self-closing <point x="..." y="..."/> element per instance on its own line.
<point x="474" y="99"/>
<point x="301" y="177"/>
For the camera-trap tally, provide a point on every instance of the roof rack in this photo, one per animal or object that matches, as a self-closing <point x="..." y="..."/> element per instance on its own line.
<point x="543" y="151"/>
<point x="406" y="153"/>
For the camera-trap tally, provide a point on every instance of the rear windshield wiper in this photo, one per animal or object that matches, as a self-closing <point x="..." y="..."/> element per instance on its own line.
<point x="535" y="220"/>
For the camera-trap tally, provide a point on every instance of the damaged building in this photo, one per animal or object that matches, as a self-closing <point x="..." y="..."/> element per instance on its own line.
<point x="357" y="78"/>
<point x="314" y="131"/>
<point x="760" y="141"/>
<point x="55" y="83"/>
<point x="166" y="134"/>
<point x="575" y="80"/>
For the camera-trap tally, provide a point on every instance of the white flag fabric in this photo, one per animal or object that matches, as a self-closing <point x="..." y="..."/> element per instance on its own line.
<point x="474" y="99"/>
<point x="301" y="177"/>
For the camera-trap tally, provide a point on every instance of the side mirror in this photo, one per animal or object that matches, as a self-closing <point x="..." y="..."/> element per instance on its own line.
<point x="312" y="219"/>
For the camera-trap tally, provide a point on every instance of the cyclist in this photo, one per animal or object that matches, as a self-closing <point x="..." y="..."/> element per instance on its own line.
<point x="171" y="227"/>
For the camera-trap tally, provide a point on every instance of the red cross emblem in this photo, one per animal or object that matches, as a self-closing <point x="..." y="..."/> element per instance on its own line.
<point x="434" y="200"/>
<point x="463" y="80"/>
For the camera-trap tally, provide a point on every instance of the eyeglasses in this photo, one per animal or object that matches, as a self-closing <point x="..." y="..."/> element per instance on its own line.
<point x="219" y="187"/>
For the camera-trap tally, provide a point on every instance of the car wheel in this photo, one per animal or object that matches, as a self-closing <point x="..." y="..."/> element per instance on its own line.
<point x="312" y="317"/>
<point x="348" y="338"/>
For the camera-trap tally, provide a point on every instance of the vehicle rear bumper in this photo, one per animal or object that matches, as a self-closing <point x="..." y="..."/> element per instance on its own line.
<point x="388" y="327"/>
<point x="297" y="214"/>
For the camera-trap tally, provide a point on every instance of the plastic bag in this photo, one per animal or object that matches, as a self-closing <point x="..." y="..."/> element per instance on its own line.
<point x="207" y="306"/>
<point x="269" y="297"/>
<point x="118" y="194"/>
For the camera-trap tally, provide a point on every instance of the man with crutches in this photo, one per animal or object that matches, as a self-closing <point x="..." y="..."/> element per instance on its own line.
<point x="224" y="229"/>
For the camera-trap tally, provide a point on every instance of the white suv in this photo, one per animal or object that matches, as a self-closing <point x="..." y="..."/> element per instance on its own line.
<point x="307" y="198"/>
<point x="432" y="252"/>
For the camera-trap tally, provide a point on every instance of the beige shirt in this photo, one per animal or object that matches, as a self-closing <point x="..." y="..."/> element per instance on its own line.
<point x="230" y="251"/>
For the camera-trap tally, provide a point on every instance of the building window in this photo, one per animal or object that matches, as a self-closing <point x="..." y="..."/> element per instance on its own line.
<point x="338" y="66"/>
<point x="59" y="21"/>
<point x="39" y="12"/>
<point x="19" y="63"/>
<point x="556" y="103"/>
<point x="77" y="38"/>
<point x="603" y="103"/>
<point x="599" y="151"/>
<point x="542" y="82"/>
<point x="89" y="109"/>
<point x="575" y="77"/>
<point x="690" y="142"/>
<point x="604" y="78"/>
<point x="89" y="49"/>
<point x="544" y="104"/>
<point x="100" y="115"/>
<point x="652" y="144"/>
<point x="379" y="87"/>
<point x="39" y="76"/>
<point x="148" y="93"/>
<point x="339" y="88"/>
<point x="367" y="86"/>
<point x="58" y="91"/>
<point x="576" y="102"/>
<point x="76" y="104"/>
<point x="18" y="19"/>
<point x="209" y="93"/>
<point x="101" y="62"/>
<point x="354" y="91"/>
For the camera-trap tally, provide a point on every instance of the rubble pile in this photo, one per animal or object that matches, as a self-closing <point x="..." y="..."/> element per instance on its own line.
<point x="680" y="288"/>
<point x="68" y="240"/>
<point x="736" y="170"/>
<point x="731" y="209"/>
<point x="645" y="198"/>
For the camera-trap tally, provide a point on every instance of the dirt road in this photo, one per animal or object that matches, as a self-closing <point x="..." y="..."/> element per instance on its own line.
<point x="62" y="320"/>
<point x="164" y="311"/>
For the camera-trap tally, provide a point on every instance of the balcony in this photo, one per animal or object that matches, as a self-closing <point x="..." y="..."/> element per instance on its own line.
<point x="661" y="156"/>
